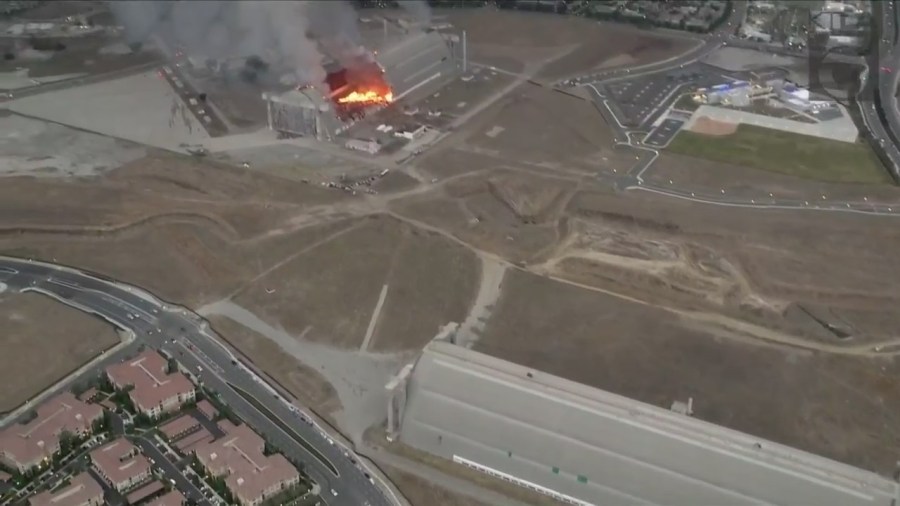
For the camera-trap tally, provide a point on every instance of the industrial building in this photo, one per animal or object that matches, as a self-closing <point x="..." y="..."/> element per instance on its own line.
<point x="737" y="94"/>
<point x="416" y="66"/>
<point x="585" y="446"/>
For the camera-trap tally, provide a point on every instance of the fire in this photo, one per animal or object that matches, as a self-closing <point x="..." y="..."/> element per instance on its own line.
<point x="367" y="97"/>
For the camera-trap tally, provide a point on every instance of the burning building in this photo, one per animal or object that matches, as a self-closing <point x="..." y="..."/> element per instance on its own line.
<point x="415" y="67"/>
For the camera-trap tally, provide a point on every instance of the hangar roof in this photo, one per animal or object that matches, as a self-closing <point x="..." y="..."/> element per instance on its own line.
<point x="418" y="57"/>
<point x="601" y="448"/>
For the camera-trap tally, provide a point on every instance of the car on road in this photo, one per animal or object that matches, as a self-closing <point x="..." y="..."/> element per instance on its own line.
<point x="886" y="70"/>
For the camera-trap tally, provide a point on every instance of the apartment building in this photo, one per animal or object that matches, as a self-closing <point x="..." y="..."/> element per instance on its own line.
<point x="250" y="475"/>
<point x="23" y="446"/>
<point x="154" y="391"/>
<point x="82" y="490"/>
<point x="121" y="464"/>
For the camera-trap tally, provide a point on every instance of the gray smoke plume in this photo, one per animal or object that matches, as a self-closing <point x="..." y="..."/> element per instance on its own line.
<point x="288" y="35"/>
<point x="418" y="10"/>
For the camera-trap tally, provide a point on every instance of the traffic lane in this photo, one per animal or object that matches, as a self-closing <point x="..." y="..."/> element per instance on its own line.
<point x="170" y="471"/>
<point x="241" y="378"/>
<point x="350" y="477"/>
<point x="105" y="305"/>
<point x="247" y="411"/>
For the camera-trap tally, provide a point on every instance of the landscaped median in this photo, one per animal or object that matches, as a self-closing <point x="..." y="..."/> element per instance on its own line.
<point x="787" y="153"/>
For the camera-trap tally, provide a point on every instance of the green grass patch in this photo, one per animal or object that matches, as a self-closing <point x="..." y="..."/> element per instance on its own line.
<point x="787" y="153"/>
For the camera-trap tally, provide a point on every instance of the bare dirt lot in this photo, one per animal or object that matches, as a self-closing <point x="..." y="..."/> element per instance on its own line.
<point x="516" y="130"/>
<point x="834" y="406"/>
<point x="42" y="342"/>
<point x="421" y="492"/>
<point x="329" y="291"/>
<point x="307" y="385"/>
<point x="514" y="40"/>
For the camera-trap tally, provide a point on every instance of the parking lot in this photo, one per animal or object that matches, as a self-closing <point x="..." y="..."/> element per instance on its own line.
<point x="661" y="135"/>
<point x="638" y="101"/>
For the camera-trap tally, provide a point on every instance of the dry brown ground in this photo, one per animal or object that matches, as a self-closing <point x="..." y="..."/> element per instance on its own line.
<point x="308" y="386"/>
<point x="709" y="126"/>
<point x="421" y="492"/>
<point x="512" y="40"/>
<point x="541" y="130"/>
<point x="840" y="407"/>
<point x="41" y="342"/>
<point x="329" y="292"/>
<point x="704" y="176"/>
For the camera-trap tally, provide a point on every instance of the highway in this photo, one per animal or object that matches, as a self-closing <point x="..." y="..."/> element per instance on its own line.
<point x="189" y="339"/>
<point x="885" y="127"/>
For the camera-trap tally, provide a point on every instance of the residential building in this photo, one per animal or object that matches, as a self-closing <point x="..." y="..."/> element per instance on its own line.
<point x="121" y="464"/>
<point x="250" y="475"/>
<point x="208" y="410"/>
<point x="179" y="427"/>
<point x="173" y="498"/>
<point x="82" y="490"/>
<point x="31" y="444"/>
<point x="154" y="391"/>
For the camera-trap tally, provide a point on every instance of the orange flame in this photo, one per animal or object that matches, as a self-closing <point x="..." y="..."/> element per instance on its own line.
<point x="366" y="97"/>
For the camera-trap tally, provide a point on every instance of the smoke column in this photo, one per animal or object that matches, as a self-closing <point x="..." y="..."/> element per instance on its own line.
<point x="288" y="34"/>
<point x="418" y="10"/>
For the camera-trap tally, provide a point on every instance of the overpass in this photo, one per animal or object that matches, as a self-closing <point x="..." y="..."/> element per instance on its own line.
<point x="585" y="446"/>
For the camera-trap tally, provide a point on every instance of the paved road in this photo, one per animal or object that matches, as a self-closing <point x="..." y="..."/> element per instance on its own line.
<point x="633" y="180"/>
<point x="170" y="471"/>
<point x="79" y="81"/>
<point x="188" y="337"/>
<point x="886" y="129"/>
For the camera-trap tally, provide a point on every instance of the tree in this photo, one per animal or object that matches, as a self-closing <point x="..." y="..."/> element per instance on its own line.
<point x="66" y="443"/>
<point x="171" y="366"/>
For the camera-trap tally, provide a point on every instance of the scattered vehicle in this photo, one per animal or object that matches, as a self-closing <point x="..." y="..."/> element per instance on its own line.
<point x="334" y="492"/>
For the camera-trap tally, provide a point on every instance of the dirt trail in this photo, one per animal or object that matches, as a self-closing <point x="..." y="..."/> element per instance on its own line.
<point x="492" y="274"/>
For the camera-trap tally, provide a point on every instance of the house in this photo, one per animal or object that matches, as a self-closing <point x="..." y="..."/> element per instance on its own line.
<point x="154" y="392"/>
<point x="121" y="464"/>
<point x="250" y="475"/>
<point x="25" y="446"/>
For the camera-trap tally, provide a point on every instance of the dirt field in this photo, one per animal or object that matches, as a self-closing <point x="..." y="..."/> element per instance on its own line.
<point x="307" y="385"/>
<point x="789" y="153"/>
<point x="706" y="177"/>
<point x="709" y="126"/>
<point x="420" y="492"/>
<point x="328" y="292"/>
<point x="510" y="132"/>
<point x="42" y="342"/>
<point x="514" y="40"/>
<point x="834" y="406"/>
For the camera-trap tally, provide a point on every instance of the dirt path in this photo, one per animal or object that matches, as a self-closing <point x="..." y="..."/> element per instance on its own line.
<point x="358" y="378"/>
<point x="492" y="274"/>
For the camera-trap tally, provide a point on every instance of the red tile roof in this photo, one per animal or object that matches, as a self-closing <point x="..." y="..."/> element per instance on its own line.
<point x="147" y="373"/>
<point x="39" y="438"/>
<point x="179" y="426"/>
<point x="81" y="490"/>
<point x="239" y="456"/>
<point x="120" y="461"/>
<point x="173" y="498"/>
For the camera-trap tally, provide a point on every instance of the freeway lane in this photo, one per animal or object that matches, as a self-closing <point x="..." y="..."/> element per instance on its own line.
<point x="188" y="337"/>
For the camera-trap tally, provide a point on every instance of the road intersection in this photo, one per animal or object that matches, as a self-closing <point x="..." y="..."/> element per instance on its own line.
<point x="186" y="336"/>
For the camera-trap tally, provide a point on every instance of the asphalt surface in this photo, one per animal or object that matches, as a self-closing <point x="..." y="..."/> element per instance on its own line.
<point x="886" y="130"/>
<point x="188" y="337"/>
<point x="645" y="155"/>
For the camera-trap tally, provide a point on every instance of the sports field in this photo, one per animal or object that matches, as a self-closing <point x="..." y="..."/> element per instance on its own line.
<point x="788" y="153"/>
